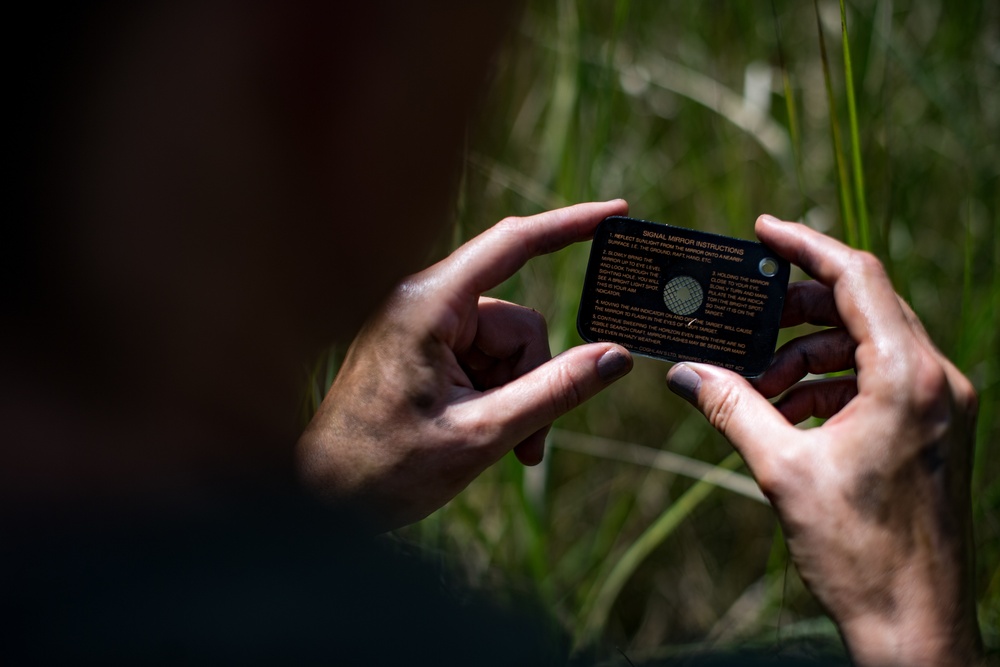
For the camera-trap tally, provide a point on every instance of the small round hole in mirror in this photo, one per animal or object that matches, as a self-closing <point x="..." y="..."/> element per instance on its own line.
<point x="768" y="267"/>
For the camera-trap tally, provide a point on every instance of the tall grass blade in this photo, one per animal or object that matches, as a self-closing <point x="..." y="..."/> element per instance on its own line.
<point x="791" y="109"/>
<point x="595" y="611"/>
<point x="859" y="180"/>
<point x="562" y="107"/>
<point x="989" y="389"/>
<point x="516" y="181"/>
<point x="843" y="183"/>
<point x="712" y="94"/>
<point x="659" y="459"/>
<point x="607" y="94"/>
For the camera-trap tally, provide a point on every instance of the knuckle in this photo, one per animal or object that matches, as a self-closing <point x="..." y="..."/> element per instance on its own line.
<point x="783" y="471"/>
<point x="721" y="410"/>
<point x="482" y="430"/>
<point x="962" y="389"/>
<point x="769" y="482"/>
<point x="940" y="401"/>
<point x="773" y="475"/>
<point x="538" y="320"/>
<point x="960" y="396"/>
<point x="965" y="394"/>
<point x="533" y="322"/>
<point x="867" y="265"/>
<point x="539" y="327"/>
<point x="863" y="269"/>
<point x="412" y="288"/>
<point x="565" y="393"/>
<point x="508" y="225"/>
<point x="930" y="386"/>
<point x="512" y="230"/>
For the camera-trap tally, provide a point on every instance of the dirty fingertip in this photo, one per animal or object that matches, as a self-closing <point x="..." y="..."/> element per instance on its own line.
<point x="614" y="364"/>
<point x="684" y="382"/>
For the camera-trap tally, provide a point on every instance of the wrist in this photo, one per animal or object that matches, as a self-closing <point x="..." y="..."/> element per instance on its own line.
<point x="922" y="639"/>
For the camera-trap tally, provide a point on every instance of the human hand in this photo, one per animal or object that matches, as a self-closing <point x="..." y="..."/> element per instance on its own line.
<point x="875" y="503"/>
<point x="443" y="382"/>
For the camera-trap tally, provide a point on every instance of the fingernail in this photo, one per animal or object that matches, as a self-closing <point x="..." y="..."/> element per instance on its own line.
<point x="684" y="382"/>
<point x="613" y="364"/>
<point x="769" y="218"/>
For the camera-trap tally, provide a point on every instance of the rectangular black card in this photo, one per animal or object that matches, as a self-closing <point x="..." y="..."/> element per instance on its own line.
<point x="682" y="295"/>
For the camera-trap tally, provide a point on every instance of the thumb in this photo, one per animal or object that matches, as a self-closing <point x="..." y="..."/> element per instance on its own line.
<point x="533" y="401"/>
<point x="740" y="413"/>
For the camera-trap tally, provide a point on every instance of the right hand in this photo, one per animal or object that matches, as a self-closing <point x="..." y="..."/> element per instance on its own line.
<point x="874" y="503"/>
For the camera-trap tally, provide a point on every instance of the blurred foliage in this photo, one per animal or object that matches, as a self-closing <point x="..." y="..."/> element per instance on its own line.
<point x="705" y="115"/>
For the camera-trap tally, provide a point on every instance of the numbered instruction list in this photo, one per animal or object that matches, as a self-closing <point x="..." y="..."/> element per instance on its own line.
<point x="629" y="302"/>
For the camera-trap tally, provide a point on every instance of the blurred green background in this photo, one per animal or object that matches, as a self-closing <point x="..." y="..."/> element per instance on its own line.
<point x="706" y="114"/>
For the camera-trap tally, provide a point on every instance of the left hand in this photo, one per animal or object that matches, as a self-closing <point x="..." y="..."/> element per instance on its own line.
<point x="443" y="381"/>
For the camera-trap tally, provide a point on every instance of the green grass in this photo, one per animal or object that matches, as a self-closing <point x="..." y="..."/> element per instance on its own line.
<point x="664" y="104"/>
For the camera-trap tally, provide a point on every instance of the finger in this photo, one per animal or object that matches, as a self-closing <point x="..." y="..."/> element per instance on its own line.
<point x="865" y="299"/>
<point x="827" y="351"/>
<point x="532" y="449"/>
<point x="810" y="302"/>
<point x="820" y="398"/>
<point x="860" y="285"/>
<point x="509" y="414"/>
<point x="753" y="426"/>
<point x="495" y="255"/>
<point x="510" y="340"/>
